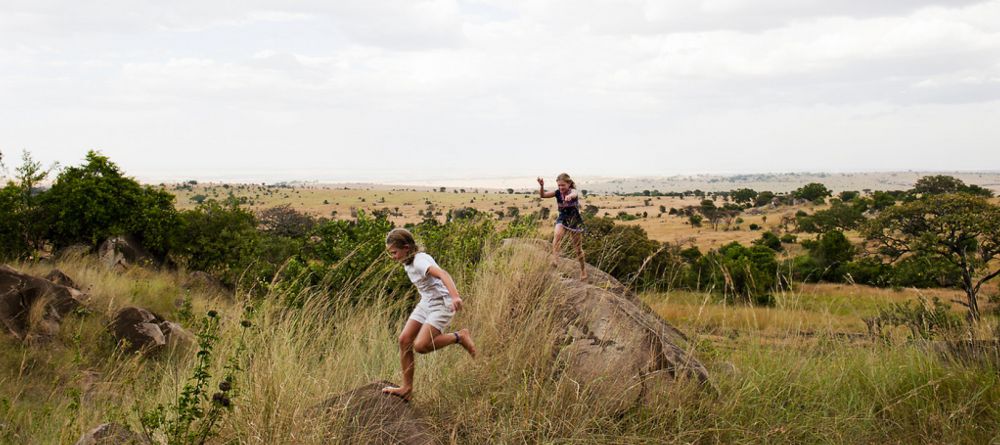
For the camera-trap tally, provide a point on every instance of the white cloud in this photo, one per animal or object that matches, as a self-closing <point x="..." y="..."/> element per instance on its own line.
<point x="595" y="85"/>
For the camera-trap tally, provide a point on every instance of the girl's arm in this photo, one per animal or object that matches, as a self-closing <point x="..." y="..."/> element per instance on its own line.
<point x="445" y="277"/>
<point x="541" y="190"/>
<point x="571" y="195"/>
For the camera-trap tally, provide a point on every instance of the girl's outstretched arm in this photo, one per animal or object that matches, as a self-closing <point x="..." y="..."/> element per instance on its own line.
<point x="445" y="277"/>
<point x="541" y="190"/>
<point x="571" y="195"/>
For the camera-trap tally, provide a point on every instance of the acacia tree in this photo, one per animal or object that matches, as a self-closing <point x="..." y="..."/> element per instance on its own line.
<point x="959" y="228"/>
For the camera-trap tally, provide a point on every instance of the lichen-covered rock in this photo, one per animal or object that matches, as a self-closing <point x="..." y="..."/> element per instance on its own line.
<point x="366" y="415"/>
<point x="611" y="343"/>
<point x="111" y="434"/>
<point x="141" y="329"/>
<point x="121" y="252"/>
<point x="21" y="294"/>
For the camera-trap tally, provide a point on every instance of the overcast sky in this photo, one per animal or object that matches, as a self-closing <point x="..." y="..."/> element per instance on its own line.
<point x="388" y="90"/>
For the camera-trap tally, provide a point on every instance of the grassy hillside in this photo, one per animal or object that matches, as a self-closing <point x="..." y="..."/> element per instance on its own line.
<point x="800" y="372"/>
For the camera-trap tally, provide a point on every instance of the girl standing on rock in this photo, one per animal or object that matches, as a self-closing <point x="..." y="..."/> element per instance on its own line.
<point x="569" y="217"/>
<point x="439" y="300"/>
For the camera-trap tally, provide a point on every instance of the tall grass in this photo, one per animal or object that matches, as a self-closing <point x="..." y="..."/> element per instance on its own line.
<point x="820" y="390"/>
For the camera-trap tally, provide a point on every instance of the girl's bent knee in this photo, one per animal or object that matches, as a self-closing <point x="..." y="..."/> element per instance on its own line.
<point x="405" y="343"/>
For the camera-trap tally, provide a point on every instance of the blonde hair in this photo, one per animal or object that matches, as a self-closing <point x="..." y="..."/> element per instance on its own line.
<point x="564" y="177"/>
<point x="402" y="239"/>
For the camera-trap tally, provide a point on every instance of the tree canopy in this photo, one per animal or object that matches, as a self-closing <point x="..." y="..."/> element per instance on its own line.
<point x="959" y="228"/>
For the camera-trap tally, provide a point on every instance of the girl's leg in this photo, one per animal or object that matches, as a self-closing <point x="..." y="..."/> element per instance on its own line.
<point x="578" y="242"/>
<point x="556" y="240"/>
<point x="406" y="340"/>
<point x="431" y="339"/>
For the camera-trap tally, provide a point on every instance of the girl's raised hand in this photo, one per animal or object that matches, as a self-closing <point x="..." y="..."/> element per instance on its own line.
<point x="541" y="181"/>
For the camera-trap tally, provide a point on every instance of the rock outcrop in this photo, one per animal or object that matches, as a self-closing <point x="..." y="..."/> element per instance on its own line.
<point x="57" y="276"/>
<point x="612" y="343"/>
<point x="32" y="305"/>
<point x="121" y="252"/>
<point x="143" y="330"/>
<point x="366" y="415"/>
<point x="111" y="434"/>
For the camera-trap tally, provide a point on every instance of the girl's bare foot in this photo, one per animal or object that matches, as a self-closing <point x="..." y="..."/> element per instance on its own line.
<point x="402" y="392"/>
<point x="465" y="339"/>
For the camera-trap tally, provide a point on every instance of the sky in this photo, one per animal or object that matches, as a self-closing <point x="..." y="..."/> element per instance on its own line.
<point x="260" y="90"/>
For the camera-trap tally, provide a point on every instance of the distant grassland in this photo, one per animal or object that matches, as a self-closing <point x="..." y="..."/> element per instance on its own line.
<point x="407" y="204"/>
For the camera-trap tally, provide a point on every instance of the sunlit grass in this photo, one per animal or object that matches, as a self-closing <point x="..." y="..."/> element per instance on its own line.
<point x="775" y="384"/>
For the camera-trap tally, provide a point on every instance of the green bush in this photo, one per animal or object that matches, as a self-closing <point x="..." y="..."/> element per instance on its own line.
<point x="828" y="255"/>
<point x="769" y="240"/>
<point x="739" y="272"/>
<point x="218" y="238"/>
<point x="95" y="201"/>
<point x="925" y="271"/>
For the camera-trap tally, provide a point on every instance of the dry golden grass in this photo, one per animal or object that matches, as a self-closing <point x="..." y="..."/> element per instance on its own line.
<point x="776" y="383"/>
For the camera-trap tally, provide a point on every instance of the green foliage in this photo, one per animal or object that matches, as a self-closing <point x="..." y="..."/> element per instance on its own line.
<point x="812" y="192"/>
<point x="194" y="416"/>
<point x="849" y="195"/>
<point x="924" y="319"/>
<point x="764" y="198"/>
<point x="926" y="271"/>
<point x="695" y="220"/>
<point x="868" y="270"/>
<point x="92" y="202"/>
<point x="827" y="257"/>
<point x="744" y="196"/>
<point x="943" y="184"/>
<point x="741" y="273"/>
<point x="218" y="238"/>
<point x="619" y="250"/>
<point x="21" y="233"/>
<point x="769" y="240"/>
<point x="959" y="228"/>
<point x="839" y="216"/>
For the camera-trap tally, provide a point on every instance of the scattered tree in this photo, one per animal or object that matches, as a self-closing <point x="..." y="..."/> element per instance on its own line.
<point x="960" y="228"/>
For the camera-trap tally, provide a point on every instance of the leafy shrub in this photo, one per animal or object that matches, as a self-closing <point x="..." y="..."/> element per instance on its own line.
<point x="769" y="240"/>
<point x="925" y="271"/>
<point x="92" y="202"/>
<point x="737" y="271"/>
<point x="924" y="319"/>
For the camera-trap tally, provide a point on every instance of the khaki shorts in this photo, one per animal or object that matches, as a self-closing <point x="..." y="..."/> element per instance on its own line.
<point x="436" y="312"/>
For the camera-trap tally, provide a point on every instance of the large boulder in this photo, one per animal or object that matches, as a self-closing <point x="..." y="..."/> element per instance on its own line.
<point x="143" y="330"/>
<point x="111" y="434"/>
<point x="57" y="276"/>
<point x="205" y="282"/>
<point x="121" y="252"/>
<point x="22" y="294"/>
<point x="366" y="415"/>
<point x="611" y="343"/>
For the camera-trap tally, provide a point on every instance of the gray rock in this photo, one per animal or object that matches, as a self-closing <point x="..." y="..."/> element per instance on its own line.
<point x="611" y="343"/>
<point x="111" y="434"/>
<point x="121" y="252"/>
<point x="143" y="330"/>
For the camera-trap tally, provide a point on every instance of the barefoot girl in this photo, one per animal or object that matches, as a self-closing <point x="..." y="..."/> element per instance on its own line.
<point x="439" y="300"/>
<point x="569" y="219"/>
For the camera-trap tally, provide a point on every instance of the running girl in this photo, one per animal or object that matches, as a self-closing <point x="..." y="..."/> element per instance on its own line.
<point x="439" y="300"/>
<point x="569" y="217"/>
